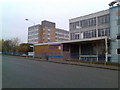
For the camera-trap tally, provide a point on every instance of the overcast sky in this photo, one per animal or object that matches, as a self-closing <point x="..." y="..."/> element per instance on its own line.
<point x="14" y="13"/>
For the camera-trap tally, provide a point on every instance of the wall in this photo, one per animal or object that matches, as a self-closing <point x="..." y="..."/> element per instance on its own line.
<point x="114" y="30"/>
<point x="48" y="50"/>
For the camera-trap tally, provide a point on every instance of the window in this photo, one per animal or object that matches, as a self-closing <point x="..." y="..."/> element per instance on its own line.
<point x="66" y="47"/>
<point x="118" y="51"/>
<point x="118" y="36"/>
<point x="72" y="36"/>
<point x="103" y="19"/>
<point x="74" y="25"/>
<point x="118" y="22"/>
<point x="103" y="32"/>
<point x="48" y="40"/>
<point x="88" y="22"/>
<point x="89" y="34"/>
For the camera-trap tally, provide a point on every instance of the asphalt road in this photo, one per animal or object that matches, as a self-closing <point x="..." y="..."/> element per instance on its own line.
<point x="18" y="72"/>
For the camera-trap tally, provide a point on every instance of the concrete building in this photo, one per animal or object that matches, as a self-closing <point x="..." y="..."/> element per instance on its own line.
<point x="90" y="26"/>
<point x="46" y="32"/>
<point x="93" y="37"/>
<point x="101" y="24"/>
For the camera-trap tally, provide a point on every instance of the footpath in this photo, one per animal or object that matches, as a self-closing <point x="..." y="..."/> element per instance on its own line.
<point x="102" y="66"/>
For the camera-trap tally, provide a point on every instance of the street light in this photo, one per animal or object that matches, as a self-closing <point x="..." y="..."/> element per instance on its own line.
<point x="30" y="21"/>
<point x="33" y="37"/>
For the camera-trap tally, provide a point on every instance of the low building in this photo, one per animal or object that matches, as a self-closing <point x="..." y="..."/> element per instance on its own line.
<point x="85" y="49"/>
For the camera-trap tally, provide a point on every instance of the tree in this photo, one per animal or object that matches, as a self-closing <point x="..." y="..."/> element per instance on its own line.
<point x="9" y="46"/>
<point x="15" y="44"/>
<point x="1" y="42"/>
<point x="25" y="47"/>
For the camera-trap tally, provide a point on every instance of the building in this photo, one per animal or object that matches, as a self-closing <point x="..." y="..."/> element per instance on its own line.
<point x="93" y="37"/>
<point x="90" y="26"/>
<point x="33" y="33"/>
<point x="61" y="35"/>
<point x="101" y="24"/>
<point x="46" y="32"/>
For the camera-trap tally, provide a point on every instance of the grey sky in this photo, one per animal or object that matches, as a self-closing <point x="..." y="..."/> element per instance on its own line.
<point x="14" y="13"/>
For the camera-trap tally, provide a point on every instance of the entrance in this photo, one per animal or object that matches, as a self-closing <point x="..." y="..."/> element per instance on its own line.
<point x="74" y="51"/>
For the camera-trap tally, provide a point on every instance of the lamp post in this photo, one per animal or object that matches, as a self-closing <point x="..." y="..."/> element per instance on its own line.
<point x="33" y="37"/>
<point x="30" y="21"/>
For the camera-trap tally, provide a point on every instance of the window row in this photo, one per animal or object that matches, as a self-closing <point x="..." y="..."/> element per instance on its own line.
<point x="103" y="32"/>
<point x="89" y="22"/>
<point x="103" y="19"/>
<point x="74" y="36"/>
<point x="35" y="36"/>
<point x="83" y="23"/>
<point x="34" y="32"/>
<point x="89" y="34"/>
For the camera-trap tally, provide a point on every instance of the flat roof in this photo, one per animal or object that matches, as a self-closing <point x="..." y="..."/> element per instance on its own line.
<point x="73" y="41"/>
<point x="87" y="16"/>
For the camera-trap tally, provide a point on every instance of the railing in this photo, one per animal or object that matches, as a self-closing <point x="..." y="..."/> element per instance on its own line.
<point x="91" y="58"/>
<point x="64" y="56"/>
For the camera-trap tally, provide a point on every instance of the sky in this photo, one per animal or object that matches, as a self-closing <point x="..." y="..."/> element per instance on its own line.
<point x="14" y="12"/>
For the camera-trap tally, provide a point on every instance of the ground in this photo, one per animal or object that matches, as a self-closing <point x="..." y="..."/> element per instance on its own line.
<point x="19" y="72"/>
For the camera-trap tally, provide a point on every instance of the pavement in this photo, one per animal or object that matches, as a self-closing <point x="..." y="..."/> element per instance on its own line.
<point x="102" y="66"/>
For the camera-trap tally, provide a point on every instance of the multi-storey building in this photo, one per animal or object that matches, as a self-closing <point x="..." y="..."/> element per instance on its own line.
<point x="46" y="32"/>
<point x="61" y="35"/>
<point x="90" y="26"/>
<point x="106" y="24"/>
<point x="33" y="34"/>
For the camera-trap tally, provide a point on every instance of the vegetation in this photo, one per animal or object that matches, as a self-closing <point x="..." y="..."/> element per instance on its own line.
<point x="25" y="47"/>
<point x="13" y="46"/>
<point x="9" y="45"/>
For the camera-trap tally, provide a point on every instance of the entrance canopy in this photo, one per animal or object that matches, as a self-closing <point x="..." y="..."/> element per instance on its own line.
<point x="74" y="41"/>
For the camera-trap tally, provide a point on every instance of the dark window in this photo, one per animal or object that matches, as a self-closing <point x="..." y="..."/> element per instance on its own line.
<point x="65" y="47"/>
<point x="118" y="22"/>
<point x="103" y="19"/>
<point x="118" y="51"/>
<point x="103" y="32"/>
<point x="118" y="37"/>
<point x="88" y="22"/>
<point x="89" y="34"/>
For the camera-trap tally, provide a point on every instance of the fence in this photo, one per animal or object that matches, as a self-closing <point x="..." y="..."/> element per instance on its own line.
<point x="72" y="56"/>
<point x="15" y="53"/>
<point x="63" y="56"/>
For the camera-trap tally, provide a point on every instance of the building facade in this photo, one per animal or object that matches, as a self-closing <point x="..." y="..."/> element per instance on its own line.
<point x="97" y="25"/>
<point x="46" y="32"/>
<point x="94" y="37"/>
<point x="90" y="26"/>
<point x="115" y="33"/>
<point x="33" y="33"/>
<point x="61" y="35"/>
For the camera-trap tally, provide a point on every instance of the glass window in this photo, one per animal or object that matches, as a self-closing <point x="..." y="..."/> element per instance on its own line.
<point x="103" y="19"/>
<point x="118" y="36"/>
<point x="88" y="22"/>
<point x="118" y="22"/>
<point x="118" y="51"/>
<point x="89" y="34"/>
<point x="103" y="32"/>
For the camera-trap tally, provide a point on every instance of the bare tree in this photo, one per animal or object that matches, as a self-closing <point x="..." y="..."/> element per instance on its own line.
<point x="10" y="45"/>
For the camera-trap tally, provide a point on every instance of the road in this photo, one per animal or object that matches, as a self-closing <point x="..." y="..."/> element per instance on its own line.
<point x="19" y="72"/>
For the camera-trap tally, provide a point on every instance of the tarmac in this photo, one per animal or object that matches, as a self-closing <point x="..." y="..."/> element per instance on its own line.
<point x="102" y="66"/>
